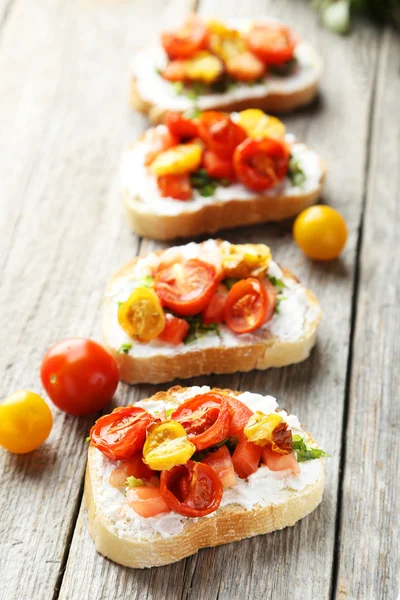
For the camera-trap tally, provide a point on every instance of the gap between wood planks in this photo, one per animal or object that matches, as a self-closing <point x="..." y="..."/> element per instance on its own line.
<point x="354" y="305"/>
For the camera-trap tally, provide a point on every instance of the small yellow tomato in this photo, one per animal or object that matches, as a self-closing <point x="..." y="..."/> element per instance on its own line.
<point x="25" y="422"/>
<point x="259" y="125"/>
<point x="141" y="316"/>
<point x="203" y="66"/>
<point x="226" y="43"/>
<point x="321" y="232"/>
<point x="167" y="445"/>
<point x="245" y="260"/>
<point x="183" y="158"/>
<point x="260" y="427"/>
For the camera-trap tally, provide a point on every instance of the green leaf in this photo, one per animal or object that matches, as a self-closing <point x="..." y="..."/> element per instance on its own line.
<point x="197" y="329"/>
<point x="192" y="113"/>
<point x="158" y="71"/>
<point x="230" y="282"/>
<point x="284" y="69"/>
<point x="87" y="440"/>
<point x="178" y="87"/>
<point x="278" y="283"/>
<point x="305" y="452"/>
<point x="169" y="412"/>
<point x="206" y="185"/>
<point x="279" y="299"/>
<point x="295" y="172"/>
<point x="133" y="482"/>
<point x="124" y="349"/>
<point x="147" y="281"/>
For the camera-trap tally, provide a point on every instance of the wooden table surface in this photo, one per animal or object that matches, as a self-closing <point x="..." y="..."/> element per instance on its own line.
<point x="64" y="121"/>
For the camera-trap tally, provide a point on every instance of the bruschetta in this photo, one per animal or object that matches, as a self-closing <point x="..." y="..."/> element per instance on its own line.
<point x="225" y="66"/>
<point x="214" y="171"/>
<point x="205" y="308"/>
<point x="196" y="467"/>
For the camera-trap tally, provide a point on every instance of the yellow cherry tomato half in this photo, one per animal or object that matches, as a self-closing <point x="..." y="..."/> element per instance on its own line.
<point x="25" y="422"/>
<point x="204" y="67"/>
<point x="167" y="445"/>
<point x="183" y="158"/>
<point x="259" y="125"/>
<point x="141" y="316"/>
<point x="321" y="232"/>
<point x="260" y="427"/>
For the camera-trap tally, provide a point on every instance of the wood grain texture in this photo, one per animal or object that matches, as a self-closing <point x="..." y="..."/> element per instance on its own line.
<point x="369" y="558"/>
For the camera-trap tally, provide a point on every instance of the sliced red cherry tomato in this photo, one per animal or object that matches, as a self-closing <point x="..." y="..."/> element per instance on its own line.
<point x="240" y="415"/>
<point x="134" y="467"/>
<point x="272" y="42"/>
<point x="246" y="306"/>
<point x="175" y="186"/>
<point x="205" y="419"/>
<point x="121" y="434"/>
<point x="180" y="127"/>
<point x="191" y="490"/>
<point x="175" y="330"/>
<point x="245" y="67"/>
<point x="261" y="164"/>
<point x="175" y="71"/>
<point x="270" y="290"/>
<point x="217" y="166"/>
<point x="147" y="501"/>
<point x="79" y="375"/>
<point x="280" y="462"/>
<point x="221" y="462"/>
<point x="246" y="457"/>
<point x="184" y="42"/>
<point x="186" y="288"/>
<point x="220" y="134"/>
<point x="214" y="311"/>
<point x="158" y="139"/>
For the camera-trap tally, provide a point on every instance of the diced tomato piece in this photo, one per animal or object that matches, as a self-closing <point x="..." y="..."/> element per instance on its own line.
<point x="147" y="501"/>
<point x="280" y="462"/>
<point x="175" y="186"/>
<point x="158" y="139"/>
<point x="175" y="71"/>
<point x="240" y="416"/>
<point x="221" y="462"/>
<point x="246" y="457"/>
<point x="214" y="311"/>
<point x="218" y="167"/>
<point x="181" y="127"/>
<point x="134" y="467"/>
<point x="175" y="330"/>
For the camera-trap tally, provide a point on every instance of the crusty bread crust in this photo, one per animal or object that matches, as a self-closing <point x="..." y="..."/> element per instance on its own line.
<point x="213" y="217"/>
<point x="260" y="354"/>
<point x="271" y="102"/>
<point x="228" y="524"/>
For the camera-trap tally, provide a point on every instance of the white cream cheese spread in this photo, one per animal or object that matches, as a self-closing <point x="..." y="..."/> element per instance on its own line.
<point x="296" y="312"/>
<point x="263" y="488"/>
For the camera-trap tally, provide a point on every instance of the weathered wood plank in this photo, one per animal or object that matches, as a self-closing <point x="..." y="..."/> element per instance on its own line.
<point x="64" y="121"/>
<point x="279" y="565"/>
<point x="369" y="557"/>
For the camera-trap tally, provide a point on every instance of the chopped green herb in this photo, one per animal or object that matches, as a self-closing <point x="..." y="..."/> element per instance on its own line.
<point x="192" y="113"/>
<point x="276" y="282"/>
<point x="87" y="439"/>
<point x="295" y="172"/>
<point x="178" y="87"/>
<point x="283" y="69"/>
<point x="305" y="452"/>
<point x="169" y="412"/>
<point x="124" y="349"/>
<point x="230" y="282"/>
<point x="147" y="281"/>
<point x="133" y="482"/>
<point x="279" y="299"/>
<point x="158" y="71"/>
<point x="119" y="303"/>
<point x="198" y="329"/>
<point x="205" y="184"/>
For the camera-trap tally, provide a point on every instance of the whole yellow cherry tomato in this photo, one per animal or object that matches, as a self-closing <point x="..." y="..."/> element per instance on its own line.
<point x="141" y="316"/>
<point x="183" y="158"/>
<point x="167" y="445"/>
<point x="321" y="232"/>
<point x="260" y="427"/>
<point x="25" y="422"/>
<point x="259" y="125"/>
<point x="203" y="66"/>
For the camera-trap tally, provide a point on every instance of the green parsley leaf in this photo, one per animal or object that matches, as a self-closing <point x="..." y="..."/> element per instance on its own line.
<point x="169" y="412"/>
<point x="158" y="71"/>
<point x="295" y="172"/>
<point x="198" y="329"/>
<point x="87" y="440"/>
<point x="206" y="185"/>
<point x="133" y="482"/>
<point x="119" y="303"/>
<point x="124" y="349"/>
<point x="279" y="299"/>
<point x="230" y="282"/>
<point x="278" y="283"/>
<point x="192" y="113"/>
<point x="305" y="452"/>
<point x="178" y="87"/>
<point x="147" y="281"/>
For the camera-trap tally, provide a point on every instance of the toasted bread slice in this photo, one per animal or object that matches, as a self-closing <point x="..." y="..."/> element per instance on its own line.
<point x="159" y="218"/>
<point x="266" y="502"/>
<point x="153" y="96"/>
<point x="288" y="338"/>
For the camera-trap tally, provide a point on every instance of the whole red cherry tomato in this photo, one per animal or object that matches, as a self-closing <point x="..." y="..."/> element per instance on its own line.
<point x="79" y="375"/>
